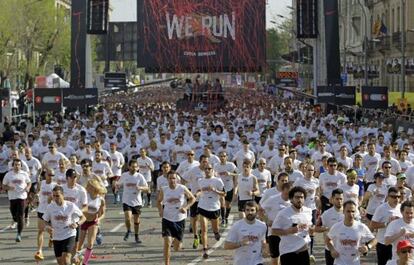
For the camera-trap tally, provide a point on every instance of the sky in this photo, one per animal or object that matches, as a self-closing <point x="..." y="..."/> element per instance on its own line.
<point x="125" y="10"/>
<point x="277" y="7"/>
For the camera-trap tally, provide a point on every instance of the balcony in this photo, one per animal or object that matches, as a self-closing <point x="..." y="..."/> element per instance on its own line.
<point x="382" y="43"/>
<point x="396" y="40"/>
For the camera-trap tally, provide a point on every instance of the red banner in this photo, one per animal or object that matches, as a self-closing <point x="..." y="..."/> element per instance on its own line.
<point x="201" y="35"/>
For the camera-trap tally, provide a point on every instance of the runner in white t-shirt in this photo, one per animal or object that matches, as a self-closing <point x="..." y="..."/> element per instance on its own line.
<point x="402" y="228"/>
<point x="118" y="162"/>
<point x="227" y="172"/>
<point x="45" y="188"/>
<point x="146" y="167"/>
<point x="293" y="225"/>
<point x="247" y="237"/>
<point x="349" y="239"/>
<point x="330" y="217"/>
<point x="264" y="178"/>
<point x="384" y="214"/>
<point x="61" y="219"/>
<point x="209" y="193"/>
<point x="17" y="184"/>
<point x="173" y="203"/>
<point x="133" y="183"/>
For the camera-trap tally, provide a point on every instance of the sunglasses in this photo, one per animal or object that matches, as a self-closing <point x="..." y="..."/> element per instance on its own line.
<point x="209" y="168"/>
<point x="387" y="167"/>
<point x="190" y="154"/>
<point x="406" y="251"/>
<point x="333" y="165"/>
<point x="395" y="196"/>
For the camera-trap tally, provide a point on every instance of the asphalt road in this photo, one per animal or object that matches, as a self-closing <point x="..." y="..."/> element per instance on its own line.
<point x="115" y="251"/>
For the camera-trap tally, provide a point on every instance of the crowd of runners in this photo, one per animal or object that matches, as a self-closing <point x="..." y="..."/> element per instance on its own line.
<point x="285" y="168"/>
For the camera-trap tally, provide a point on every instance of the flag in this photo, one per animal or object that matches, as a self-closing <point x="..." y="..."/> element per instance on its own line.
<point x="383" y="29"/>
<point x="377" y="27"/>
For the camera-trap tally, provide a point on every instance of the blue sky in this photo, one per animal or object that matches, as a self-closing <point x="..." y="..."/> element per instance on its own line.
<point x="125" y="10"/>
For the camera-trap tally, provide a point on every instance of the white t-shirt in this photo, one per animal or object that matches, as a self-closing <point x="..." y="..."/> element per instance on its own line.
<point x="76" y="195"/>
<point x="52" y="160"/>
<point x="251" y="253"/>
<point x="347" y="240"/>
<point x="267" y="194"/>
<point x="245" y="186"/>
<point x="61" y="217"/>
<point x="287" y="218"/>
<point x="34" y="167"/>
<point x="262" y="179"/>
<point x="173" y="200"/>
<point x="273" y="206"/>
<point x="19" y="181"/>
<point x="209" y="200"/>
<point x="310" y="186"/>
<point x="330" y="182"/>
<point x="371" y="163"/>
<point x="146" y="166"/>
<point x="383" y="214"/>
<point x="44" y="194"/>
<point x="185" y="166"/>
<point x="118" y="160"/>
<point x="192" y="177"/>
<point x="394" y="228"/>
<point x="378" y="197"/>
<point x="131" y="195"/>
<point x="350" y="192"/>
<point x="222" y="172"/>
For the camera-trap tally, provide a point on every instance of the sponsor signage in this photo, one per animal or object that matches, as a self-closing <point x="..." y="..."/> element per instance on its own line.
<point x="115" y="80"/>
<point x="80" y="97"/>
<point x="374" y="97"/>
<point x="201" y="35"/>
<point x="47" y="99"/>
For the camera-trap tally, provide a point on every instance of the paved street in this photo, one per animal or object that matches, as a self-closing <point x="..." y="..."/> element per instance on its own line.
<point x="114" y="250"/>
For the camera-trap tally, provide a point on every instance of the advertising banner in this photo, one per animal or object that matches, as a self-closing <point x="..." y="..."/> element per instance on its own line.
<point x="201" y="35"/>
<point x="374" y="97"/>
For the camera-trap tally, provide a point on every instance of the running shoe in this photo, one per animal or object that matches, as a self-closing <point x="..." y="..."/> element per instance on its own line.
<point x="196" y="243"/>
<point x="99" y="239"/>
<point x="39" y="256"/>
<point x="13" y="225"/>
<point x="137" y="240"/>
<point x="205" y="254"/>
<point x="312" y="259"/>
<point x="26" y="222"/>
<point x="126" y="236"/>
<point x="217" y="236"/>
<point x="223" y="223"/>
<point x="18" y="238"/>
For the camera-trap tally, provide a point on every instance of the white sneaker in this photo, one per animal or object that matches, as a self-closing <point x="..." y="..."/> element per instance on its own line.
<point x="13" y="225"/>
<point x="26" y="222"/>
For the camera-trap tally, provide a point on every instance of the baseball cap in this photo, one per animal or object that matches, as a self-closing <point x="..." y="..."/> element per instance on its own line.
<point x="379" y="175"/>
<point x="70" y="173"/>
<point x="401" y="176"/>
<point x="404" y="244"/>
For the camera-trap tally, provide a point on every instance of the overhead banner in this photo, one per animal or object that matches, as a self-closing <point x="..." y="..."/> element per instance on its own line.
<point x="326" y="94"/>
<point x="48" y="99"/>
<point x="345" y="95"/>
<point x="374" y="97"/>
<point x="80" y="97"/>
<point x="307" y="19"/>
<point x="201" y="35"/>
<point x="333" y="62"/>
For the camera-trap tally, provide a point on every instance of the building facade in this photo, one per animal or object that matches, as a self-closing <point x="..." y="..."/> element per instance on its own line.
<point x="384" y="29"/>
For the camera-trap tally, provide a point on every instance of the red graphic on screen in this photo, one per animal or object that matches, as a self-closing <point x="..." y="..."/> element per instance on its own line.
<point x="201" y="35"/>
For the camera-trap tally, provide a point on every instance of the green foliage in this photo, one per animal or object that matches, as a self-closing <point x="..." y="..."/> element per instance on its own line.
<point x="277" y="45"/>
<point x="34" y="36"/>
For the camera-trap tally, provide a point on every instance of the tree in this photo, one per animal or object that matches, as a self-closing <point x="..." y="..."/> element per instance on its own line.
<point x="35" y="35"/>
<point x="277" y="45"/>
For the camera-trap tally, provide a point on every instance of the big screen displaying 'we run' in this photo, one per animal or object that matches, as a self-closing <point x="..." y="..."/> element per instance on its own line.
<point x="201" y="35"/>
